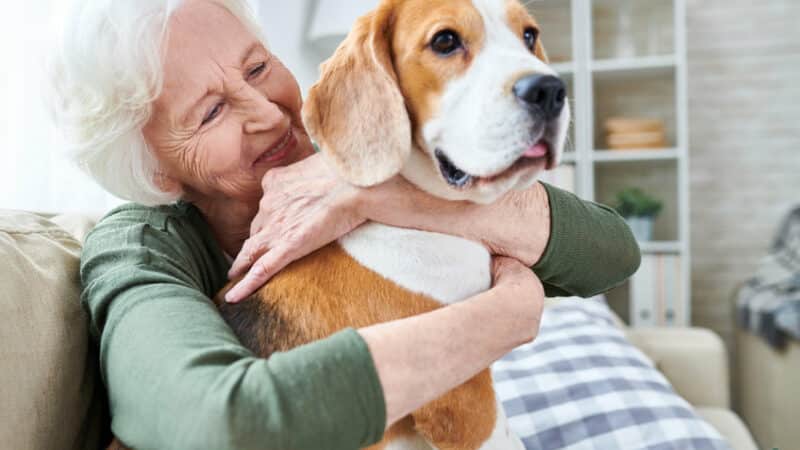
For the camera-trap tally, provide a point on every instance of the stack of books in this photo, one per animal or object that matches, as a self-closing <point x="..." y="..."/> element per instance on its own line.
<point x="657" y="292"/>
<point x="624" y="133"/>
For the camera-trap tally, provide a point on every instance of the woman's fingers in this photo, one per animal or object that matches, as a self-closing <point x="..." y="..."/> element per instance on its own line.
<point x="305" y="207"/>
<point x="264" y="268"/>
<point x="510" y="275"/>
<point x="251" y="251"/>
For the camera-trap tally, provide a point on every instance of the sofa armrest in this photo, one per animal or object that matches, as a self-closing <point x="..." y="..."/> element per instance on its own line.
<point x="694" y="360"/>
<point x="730" y="426"/>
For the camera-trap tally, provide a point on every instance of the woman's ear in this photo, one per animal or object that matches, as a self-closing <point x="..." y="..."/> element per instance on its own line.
<point x="356" y="112"/>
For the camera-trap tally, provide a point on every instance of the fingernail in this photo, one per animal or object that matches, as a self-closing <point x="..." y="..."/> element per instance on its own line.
<point x="229" y="297"/>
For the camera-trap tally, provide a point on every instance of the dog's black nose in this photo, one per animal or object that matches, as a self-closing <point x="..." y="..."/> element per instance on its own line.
<point x="542" y="92"/>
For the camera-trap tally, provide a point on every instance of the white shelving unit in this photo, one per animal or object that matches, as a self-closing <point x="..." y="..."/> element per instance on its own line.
<point x="648" y="83"/>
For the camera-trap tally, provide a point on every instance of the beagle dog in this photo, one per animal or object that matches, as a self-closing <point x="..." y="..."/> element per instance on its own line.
<point x="457" y="97"/>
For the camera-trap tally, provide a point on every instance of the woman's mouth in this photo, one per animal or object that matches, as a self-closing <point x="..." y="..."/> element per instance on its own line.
<point x="279" y="150"/>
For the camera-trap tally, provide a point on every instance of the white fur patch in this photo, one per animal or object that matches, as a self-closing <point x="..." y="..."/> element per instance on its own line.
<point x="443" y="267"/>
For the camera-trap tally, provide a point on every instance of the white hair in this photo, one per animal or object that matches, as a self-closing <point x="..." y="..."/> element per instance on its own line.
<point x="105" y="73"/>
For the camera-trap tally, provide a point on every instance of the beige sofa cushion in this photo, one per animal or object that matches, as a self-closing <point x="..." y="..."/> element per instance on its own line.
<point x="694" y="360"/>
<point x="49" y="384"/>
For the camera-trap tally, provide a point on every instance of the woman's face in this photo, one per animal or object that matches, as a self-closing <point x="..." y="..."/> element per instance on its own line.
<point x="229" y="110"/>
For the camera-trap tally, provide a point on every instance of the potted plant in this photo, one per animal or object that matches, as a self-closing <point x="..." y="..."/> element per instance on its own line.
<point x="639" y="210"/>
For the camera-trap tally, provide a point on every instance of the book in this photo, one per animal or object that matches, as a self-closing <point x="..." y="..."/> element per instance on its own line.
<point x="657" y="292"/>
<point x="624" y="133"/>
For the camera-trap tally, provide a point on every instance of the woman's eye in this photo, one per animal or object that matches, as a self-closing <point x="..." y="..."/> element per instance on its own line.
<point x="257" y="70"/>
<point x="446" y="42"/>
<point x="530" y="36"/>
<point x="213" y="113"/>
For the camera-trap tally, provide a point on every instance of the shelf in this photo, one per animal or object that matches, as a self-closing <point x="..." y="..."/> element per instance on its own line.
<point x="660" y="247"/>
<point x="564" y="68"/>
<point x="634" y="67"/>
<point x="626" y="58"/>
<point x="607" y="156"/>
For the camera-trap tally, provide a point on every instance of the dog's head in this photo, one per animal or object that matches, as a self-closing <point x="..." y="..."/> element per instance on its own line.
<point x="454" y="94"/>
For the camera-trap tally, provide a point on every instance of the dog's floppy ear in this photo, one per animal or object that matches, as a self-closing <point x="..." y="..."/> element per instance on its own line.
<point x="356" y="112"/>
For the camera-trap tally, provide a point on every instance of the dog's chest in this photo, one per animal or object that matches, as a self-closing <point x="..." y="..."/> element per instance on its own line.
<point x="446" y="268"/>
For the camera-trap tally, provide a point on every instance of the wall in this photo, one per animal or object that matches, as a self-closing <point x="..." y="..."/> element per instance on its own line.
<point x="285" y="24"/>
<point x="744" y="67"/>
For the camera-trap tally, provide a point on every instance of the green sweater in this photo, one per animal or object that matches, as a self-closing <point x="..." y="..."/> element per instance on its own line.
<point x="178" y="378"/>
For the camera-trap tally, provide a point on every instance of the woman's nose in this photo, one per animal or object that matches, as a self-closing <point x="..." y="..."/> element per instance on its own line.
<point x="261" y="114"/>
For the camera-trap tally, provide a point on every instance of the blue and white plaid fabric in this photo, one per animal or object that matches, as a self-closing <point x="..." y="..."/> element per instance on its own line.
<point x="582" y="385"/>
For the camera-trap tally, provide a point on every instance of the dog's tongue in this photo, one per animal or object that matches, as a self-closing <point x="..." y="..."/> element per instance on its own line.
<point x="537" y="150"/>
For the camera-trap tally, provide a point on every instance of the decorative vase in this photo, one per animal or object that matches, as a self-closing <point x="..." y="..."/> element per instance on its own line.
<point x="642" y="227"/>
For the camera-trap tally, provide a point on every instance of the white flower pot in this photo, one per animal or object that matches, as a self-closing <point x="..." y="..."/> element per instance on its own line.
<point x="642" y="227"/>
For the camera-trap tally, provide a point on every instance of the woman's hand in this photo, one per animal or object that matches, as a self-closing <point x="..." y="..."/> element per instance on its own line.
<point x="513" y="277"/>
<point x="515" y="283"/>
<point x="305" y="207"/>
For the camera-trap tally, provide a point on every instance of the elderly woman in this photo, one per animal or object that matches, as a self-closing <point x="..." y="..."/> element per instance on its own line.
<point x="181" y="108"/>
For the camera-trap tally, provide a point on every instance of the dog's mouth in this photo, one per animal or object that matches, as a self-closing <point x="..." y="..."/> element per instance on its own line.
<point x="538" y="154"/>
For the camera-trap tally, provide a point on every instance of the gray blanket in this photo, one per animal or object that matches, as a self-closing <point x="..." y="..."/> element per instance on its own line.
<point x="769" y="303"/>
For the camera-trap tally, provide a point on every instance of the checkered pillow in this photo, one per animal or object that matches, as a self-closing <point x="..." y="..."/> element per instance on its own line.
<point x="582" y="385"/>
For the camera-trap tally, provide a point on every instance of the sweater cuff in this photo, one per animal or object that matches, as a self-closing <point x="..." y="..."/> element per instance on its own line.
<point x="567" y="243"/>
<point x="590" y="251"/>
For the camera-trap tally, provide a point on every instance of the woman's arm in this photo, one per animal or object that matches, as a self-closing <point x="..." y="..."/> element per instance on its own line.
<point x="576" y="247"/>
<point x="421" y="358"/>
<point x="177" y="377"/>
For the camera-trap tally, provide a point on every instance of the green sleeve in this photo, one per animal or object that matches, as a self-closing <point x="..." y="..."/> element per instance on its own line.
<point x="591" y="248"/>
<point x="176" y="375"/>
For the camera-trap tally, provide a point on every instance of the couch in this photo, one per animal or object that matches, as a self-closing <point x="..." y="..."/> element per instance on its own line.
<point x="51" y="391"/>
<point x="769" y="393"/>
<point x="695" y="362"/>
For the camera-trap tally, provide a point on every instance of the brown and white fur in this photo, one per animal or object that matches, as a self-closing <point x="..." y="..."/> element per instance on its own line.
<point x="385" y="104"/>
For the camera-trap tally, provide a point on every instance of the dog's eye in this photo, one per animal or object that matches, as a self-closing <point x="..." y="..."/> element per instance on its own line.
<point x="530" y="36"/>
<point x="445" y="42"/>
